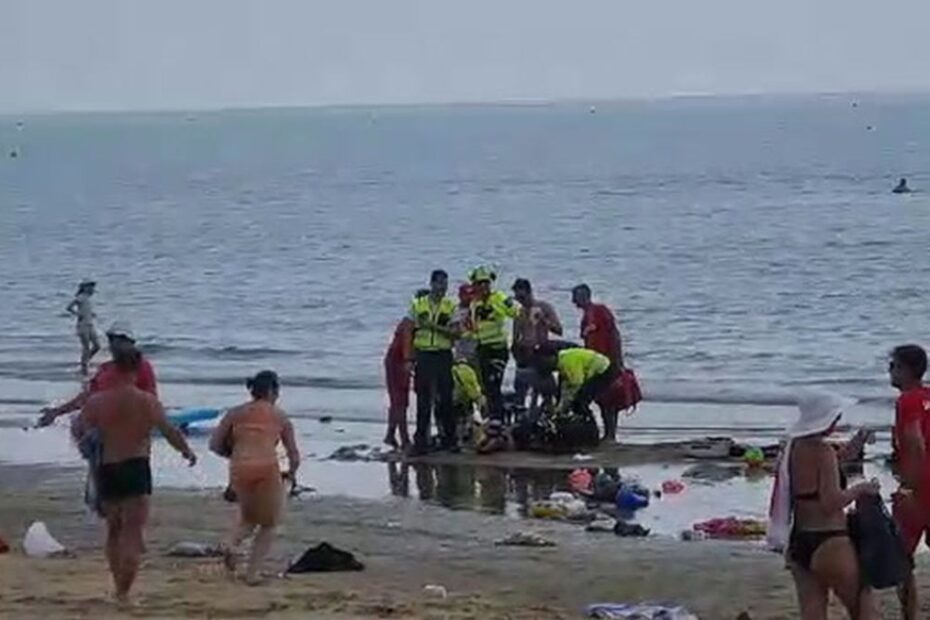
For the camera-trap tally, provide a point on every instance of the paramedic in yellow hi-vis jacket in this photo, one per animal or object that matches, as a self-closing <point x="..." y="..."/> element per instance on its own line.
<point x="433" y="336"/>
<point x="490" y="311"/>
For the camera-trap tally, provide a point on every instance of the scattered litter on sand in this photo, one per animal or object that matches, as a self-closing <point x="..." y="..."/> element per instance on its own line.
<point x="600" y="525"/>
<point x="710" y="448"/>
<point x="673" y="487"/>
<point x="324" y="558"/>
<point x="638" y="611"/>
<point x="326" y="419"/>
<point x="630" y="530"/>
<point x="582" y="457"/>
<point x="712" y="472"/>
<point x="435" y="591"/>
<point x="525" y="539"/>
<point x="194" y="550"/>
<point x="732" y="528"/>
<point x="357" y="452"/>
<point x="39" y="543"/>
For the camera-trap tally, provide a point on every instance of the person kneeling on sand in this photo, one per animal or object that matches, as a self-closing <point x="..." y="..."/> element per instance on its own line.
<point x="467" y="397"/>
<point x="248" y="436"/>
<point x="124" y="416"/>
<point x="584" y="375"/>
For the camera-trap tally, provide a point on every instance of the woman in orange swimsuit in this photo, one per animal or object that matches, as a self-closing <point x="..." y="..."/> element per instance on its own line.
<point x="248" y="436"/>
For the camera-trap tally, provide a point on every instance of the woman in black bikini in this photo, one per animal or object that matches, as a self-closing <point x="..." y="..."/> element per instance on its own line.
<point x="820" y="553"/>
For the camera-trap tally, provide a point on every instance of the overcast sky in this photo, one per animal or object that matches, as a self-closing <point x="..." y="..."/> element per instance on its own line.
<point x="119" y="54"/>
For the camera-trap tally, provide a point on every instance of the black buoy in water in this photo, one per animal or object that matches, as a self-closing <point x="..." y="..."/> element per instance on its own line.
<point x="901" y="187"/>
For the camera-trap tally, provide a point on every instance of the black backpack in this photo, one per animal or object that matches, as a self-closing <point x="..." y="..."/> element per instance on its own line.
<point x="883" y="558"/>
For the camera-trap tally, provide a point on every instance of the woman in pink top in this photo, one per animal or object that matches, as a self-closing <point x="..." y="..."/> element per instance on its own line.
<point x="248" y="436"/>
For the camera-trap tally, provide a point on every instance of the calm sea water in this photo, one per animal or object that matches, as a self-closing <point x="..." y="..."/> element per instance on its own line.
<point x="748" y="246"/>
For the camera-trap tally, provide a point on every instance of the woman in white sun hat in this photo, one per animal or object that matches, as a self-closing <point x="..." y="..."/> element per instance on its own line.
<point x="808" y="518"/>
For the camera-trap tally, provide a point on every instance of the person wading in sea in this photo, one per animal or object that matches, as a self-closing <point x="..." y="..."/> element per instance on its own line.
<point x="248" y="436"/>
<point x="83" y="311"/>
<point x="124" y="417"/>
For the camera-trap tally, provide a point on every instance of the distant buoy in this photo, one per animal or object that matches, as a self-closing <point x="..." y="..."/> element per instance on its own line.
<point x="592" y="110"/>
<point x="869" y="128"/>
<point x="14" y="154"/>
<point x="855" y="104"/>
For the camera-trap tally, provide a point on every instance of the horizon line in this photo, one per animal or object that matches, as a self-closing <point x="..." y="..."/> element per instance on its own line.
<point x="451" y="103"/>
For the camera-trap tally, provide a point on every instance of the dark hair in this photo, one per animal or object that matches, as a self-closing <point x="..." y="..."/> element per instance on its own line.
<point x="263" y="384"/>
<point x="582" y="288"/>
<point x="522" y="284"/>
<point x="127" y="359"/>
<point x="912" y="357"/>
<point x="422" y="292"/>
<point x="437" y="274"/>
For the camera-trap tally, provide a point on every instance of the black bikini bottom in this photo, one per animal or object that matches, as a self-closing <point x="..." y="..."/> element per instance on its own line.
<point x="803" y="545"/>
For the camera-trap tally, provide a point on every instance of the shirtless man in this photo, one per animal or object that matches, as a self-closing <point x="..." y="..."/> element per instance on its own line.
<point x="124" y="416"/>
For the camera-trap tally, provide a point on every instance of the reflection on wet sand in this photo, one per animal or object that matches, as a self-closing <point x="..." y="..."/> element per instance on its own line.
<point x="492" y="490"/>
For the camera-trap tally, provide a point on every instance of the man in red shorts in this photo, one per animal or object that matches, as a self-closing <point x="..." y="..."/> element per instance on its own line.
<point x="911" y="446"/>
<point x="120" y="338"/>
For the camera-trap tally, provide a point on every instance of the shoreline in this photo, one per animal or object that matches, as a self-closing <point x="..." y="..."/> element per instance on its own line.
<point x="405" y="546"/>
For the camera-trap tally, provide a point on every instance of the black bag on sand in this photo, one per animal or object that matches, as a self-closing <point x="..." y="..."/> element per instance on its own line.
<point x="883" y="560"/>
<point x="574" y="432"/>
<point x="324" y="558"/>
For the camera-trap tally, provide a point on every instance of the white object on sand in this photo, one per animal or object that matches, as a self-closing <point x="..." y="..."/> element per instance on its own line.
<point x="434" y="590"/>
<point x="582" y="457"/>
<point x="39" y="543"/>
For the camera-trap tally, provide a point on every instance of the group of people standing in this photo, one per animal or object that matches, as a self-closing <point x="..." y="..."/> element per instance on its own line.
<point x="457" y="354"/>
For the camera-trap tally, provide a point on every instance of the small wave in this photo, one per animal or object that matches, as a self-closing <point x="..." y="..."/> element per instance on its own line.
<point x="219" y="353"/>
<point x="21" y="401"/>
<point x="329" y="383"/>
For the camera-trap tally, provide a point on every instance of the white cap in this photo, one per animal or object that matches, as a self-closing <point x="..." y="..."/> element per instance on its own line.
<point x="819" y="411"/>
<point x="121" y="329"/>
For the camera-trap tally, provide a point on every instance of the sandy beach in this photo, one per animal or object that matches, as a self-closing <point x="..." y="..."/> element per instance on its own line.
<point x="405" y="546"/>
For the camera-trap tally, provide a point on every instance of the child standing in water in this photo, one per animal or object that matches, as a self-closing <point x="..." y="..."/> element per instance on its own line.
<point x="82" y="310"/>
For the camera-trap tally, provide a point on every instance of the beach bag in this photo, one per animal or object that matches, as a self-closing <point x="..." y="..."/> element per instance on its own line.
<point x="883" y="558"/>
<point x="624" y="393"/>
<point x="572" y="432"/>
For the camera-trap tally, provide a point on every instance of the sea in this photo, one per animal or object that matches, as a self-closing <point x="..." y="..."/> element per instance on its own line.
<point x="750" y="247"/>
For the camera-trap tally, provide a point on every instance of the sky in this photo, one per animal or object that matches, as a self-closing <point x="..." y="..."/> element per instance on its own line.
<point x="194" y="54"/>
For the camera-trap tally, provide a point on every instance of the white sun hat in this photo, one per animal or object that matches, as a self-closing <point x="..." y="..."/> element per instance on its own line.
<point x="819" y="411"/>
<point x="121" y="329"/>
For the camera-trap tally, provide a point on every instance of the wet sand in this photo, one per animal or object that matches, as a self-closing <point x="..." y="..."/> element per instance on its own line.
<point x="615" y="455"/>
<point x="405" y="545"/>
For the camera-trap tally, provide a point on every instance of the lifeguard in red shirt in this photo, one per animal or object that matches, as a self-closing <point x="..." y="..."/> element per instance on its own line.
<point x="911" y="445"/>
